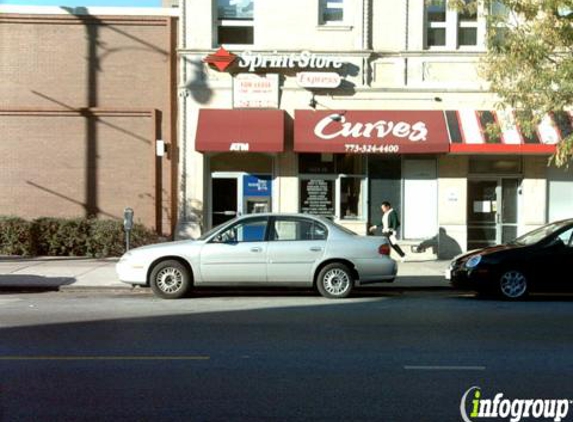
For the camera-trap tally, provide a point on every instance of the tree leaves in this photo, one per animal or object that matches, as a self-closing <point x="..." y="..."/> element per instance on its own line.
<point x="529" y="59"/>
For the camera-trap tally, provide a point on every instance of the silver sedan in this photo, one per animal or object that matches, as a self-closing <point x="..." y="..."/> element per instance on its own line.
<point x="263" y="249"/>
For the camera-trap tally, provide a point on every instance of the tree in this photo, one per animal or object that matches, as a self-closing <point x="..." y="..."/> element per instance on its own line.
<point x="529" y="59"/>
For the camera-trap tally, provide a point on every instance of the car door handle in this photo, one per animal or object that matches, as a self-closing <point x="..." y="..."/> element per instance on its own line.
<point x="256" y="249"/>
<point x="316" y="249"/>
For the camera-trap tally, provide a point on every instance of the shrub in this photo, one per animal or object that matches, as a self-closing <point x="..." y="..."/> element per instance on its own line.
<point x="16" y="237"/>
<point x="106" y="238"/>
<point x="60" y="237"/>
<point x="69" y="237"/>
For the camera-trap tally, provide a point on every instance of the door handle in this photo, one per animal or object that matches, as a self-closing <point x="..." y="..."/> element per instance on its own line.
<point x="256" y="249"/>
<point x="315" y="249"/>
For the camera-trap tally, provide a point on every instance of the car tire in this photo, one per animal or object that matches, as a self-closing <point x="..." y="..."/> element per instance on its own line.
<point x="335" y="281"/>
<point x="513" y="285"/>
<point x="170" y="280"/>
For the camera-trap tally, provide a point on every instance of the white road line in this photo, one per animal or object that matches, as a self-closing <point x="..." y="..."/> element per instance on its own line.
<point x="443" y="368"/>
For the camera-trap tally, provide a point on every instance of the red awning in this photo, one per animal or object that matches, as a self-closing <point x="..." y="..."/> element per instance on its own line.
<point x="469" y="134"/>
<point x="383" y="131"/>
<point x="240" y="130"/>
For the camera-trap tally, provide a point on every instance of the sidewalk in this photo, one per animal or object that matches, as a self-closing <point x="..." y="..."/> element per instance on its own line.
<point x="59" y="273"/>
<point x="64" y="273"/>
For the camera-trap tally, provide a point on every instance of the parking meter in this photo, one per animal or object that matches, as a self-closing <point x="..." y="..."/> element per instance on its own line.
<point x="127" y="225"/>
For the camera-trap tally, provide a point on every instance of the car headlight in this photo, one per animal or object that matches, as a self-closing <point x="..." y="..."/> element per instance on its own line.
<point x="473" y="261"/>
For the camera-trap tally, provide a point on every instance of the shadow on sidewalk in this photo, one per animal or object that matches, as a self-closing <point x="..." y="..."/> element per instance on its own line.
<point x="25" y="282"/>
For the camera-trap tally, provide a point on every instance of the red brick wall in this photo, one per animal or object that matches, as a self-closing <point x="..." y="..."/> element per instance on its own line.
<point x="82" y="100"/>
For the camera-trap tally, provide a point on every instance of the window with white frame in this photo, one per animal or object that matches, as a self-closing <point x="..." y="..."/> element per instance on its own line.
<point x="331" y="12"/>
<point x="502" y="17"/>
<point x="449" y="28"/>
<point x="333" y="185"/>
<point x="235" y="22"/>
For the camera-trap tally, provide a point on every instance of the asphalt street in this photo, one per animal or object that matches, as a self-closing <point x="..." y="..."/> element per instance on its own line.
<point x="275" y="355"/>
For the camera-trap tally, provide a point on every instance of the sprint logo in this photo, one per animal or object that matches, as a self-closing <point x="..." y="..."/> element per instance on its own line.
<point x="474" y="407"/>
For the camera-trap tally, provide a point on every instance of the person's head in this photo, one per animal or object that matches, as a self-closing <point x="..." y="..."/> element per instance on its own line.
<point x="385" y="206"/>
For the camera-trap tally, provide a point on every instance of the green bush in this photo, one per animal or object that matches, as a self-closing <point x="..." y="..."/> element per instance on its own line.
<point x="107" y="238"/>
<point x="16" y="237"/>
<point x="69" y="237"/>
<point x="60" y="237"/>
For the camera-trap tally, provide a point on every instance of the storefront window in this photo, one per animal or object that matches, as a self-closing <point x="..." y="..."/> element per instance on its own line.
<point x="351" y="201"/>
<point x="350" y="164"/>
<point x="317" y="196"/>
<point x="316" y="164"/>
<point x="333" y="185"/>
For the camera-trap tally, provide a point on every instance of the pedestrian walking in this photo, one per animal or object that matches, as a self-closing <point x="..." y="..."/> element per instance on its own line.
<point x="390" y="224"/>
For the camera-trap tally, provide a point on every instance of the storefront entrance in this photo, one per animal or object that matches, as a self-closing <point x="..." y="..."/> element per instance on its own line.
<point x="225" y="205"/>
<point x="234" y="194"/>
<point x="492" y="211"/>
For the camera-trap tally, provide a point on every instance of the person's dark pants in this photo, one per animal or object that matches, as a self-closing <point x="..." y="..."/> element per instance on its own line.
<point x="395" y="246"/>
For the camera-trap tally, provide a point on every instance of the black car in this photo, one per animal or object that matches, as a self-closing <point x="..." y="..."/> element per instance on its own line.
<point x="540" y="260"/>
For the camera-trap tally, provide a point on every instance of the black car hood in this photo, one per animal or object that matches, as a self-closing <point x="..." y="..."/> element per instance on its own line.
<point x="488" y="251"/>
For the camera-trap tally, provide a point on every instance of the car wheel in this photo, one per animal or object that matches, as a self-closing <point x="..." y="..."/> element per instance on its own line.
<point x="170" y="280"/>
<point x="513" y="284"/>
<point x="335" y="281"/>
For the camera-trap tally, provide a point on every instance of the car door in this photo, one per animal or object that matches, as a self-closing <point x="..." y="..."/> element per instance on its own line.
<point x="295" y="245"/>
<point x="554" y="272"/>
<point x="237" y="254"/>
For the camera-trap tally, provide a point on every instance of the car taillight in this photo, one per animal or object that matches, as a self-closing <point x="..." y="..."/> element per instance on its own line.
<point x="384" y="249"/>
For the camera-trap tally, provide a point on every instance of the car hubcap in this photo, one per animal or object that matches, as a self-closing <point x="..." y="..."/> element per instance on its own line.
<point x="169" y="280"/>
<point x="513" y="284"/>
<point x="336" y="282"/>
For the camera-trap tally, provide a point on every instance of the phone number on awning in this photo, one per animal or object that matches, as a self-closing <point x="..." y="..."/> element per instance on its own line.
<point x="387" y="149"/>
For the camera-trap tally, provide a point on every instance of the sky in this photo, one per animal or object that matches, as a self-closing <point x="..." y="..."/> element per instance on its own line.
<point x="89" y="3"/>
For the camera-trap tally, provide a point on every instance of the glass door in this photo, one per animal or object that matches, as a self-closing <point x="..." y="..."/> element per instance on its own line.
<point x="482" y="209"/>
<point x="225" y="204"/>
<point x="492" y="211"/>
<point x="234" y="194"/>
<point x="507" y="218"/>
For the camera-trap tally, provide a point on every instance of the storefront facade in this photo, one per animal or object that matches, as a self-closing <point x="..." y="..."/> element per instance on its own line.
<point x="355" y="107"/>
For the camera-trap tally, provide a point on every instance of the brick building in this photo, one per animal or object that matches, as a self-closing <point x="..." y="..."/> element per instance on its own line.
<point x="85" y="94"/>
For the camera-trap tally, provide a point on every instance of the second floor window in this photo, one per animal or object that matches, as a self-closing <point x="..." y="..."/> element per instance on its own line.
<point x="235" y="22"/>
<point x="450" y="28"/>
<point x="331" y="11"/>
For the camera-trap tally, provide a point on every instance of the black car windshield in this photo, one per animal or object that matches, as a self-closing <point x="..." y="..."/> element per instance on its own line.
<point x="541" y="233"/>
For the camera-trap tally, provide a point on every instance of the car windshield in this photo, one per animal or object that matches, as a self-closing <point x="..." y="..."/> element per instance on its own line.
<point x="539" y="234"/>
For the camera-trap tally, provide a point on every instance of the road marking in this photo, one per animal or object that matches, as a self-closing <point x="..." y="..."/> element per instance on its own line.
<point x="443" y="368"/>
<point x="100" y="358"/>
